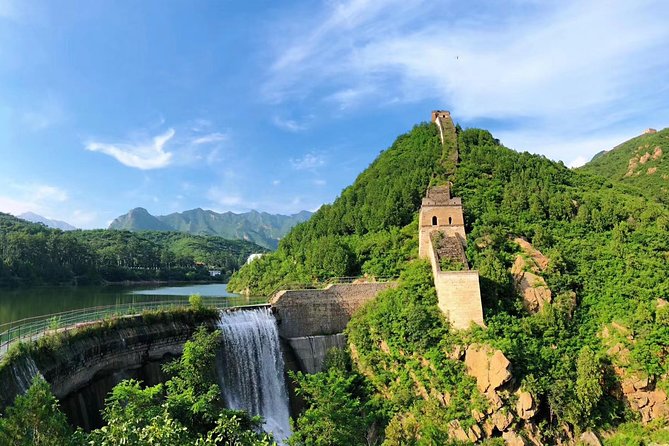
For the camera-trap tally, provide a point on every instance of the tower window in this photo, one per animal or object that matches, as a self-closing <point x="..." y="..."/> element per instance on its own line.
<point x="450" y="221"/>
<point x="434" y="220"/>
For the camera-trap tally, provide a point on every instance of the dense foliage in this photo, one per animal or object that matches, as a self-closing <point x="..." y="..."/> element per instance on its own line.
<point x="186" y="410"/>
<point x="640" y="162"/>
<point x="362" y="231"/>
<point x="608" y="247"/>
<point x="34" y="254"/>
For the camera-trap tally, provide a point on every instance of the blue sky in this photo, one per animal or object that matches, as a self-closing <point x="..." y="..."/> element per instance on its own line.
<point x="276" y="106"/>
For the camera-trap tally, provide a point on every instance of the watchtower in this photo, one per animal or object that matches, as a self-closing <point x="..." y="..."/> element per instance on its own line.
<point x="439" y="212"/>
<point x="440" y="114"/>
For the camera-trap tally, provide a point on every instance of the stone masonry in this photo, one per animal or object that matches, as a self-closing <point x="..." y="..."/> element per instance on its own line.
<point x="321" y="312"/>
<point x="442" y="235"/>
<point x="312" y="321"/>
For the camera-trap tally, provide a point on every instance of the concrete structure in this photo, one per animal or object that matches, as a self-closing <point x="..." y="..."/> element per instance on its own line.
<point x="82" y="370"/>
<point x="649" y="131"/>
<point x="316" y="312"/>
<point x="312" y="321"/>
<point x="442" y="237"/>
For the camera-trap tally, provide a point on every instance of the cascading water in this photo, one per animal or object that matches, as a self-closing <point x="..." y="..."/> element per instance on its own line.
<point x="252" y="368"/>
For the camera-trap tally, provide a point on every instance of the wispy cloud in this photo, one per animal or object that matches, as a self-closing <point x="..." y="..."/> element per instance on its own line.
<point x="210" y="138"/>
<point x="144" y="155"/>
<point x="574" y="66"/>
<point x="290" y="125"/>
<point x="31" y="197"/>
<point x="309" y="161"/>
<point x="224" y="198"/>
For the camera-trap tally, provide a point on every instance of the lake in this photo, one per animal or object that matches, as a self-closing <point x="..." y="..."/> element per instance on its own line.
<point x="21" y="303"/>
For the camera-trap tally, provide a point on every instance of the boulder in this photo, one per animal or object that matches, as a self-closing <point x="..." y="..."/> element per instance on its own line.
<point x="458" y="432"/>
<point x="502" y="419"/>
<point x="525" y="407"/>
<point x="511" y="438"/>
<point x="531" y="287"/>
<point x="490" y="367"/>
<point x="589" y="439"/>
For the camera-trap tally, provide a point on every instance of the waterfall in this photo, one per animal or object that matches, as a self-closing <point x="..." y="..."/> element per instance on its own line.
<point x="24" y="371"/>
<point x="253" y="370"/>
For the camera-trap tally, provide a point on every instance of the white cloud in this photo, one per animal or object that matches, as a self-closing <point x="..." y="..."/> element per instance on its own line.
<point x="143" y="155"/>
<point x="578" y="162"/>
<point x="320" y="183"/>
<point x="574" y="67"/>
<point x="290" y="125"/>
<point x="309" y="161"/>
<point x="43" y="192"/>
<point x="276" y="182"/>
<point x="40" y="198"/>
<point x="224" y="198"/>
<point x="82" y="219"/>
<point x="210" y="138"/>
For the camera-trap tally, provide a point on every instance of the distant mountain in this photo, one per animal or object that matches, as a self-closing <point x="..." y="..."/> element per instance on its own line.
<point x="55" y="224"/>
<point x="139" y="219"/>
<point x="259" y="227"/>
<point x="641" y="162"/>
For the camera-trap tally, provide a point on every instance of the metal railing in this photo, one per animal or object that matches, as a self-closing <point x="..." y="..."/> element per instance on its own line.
<point x="34" y="327"/>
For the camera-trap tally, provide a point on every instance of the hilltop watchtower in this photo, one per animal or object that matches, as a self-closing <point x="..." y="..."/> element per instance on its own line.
<point x="439" y="212"/>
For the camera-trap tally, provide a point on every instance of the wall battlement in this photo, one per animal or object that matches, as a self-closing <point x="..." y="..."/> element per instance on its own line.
<point x="442" y="236"/>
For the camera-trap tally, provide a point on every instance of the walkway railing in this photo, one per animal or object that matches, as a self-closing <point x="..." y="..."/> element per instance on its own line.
<point x="34" y="327"/>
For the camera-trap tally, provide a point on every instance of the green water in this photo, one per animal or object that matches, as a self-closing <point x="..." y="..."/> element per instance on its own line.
<point x="21" y="303"/>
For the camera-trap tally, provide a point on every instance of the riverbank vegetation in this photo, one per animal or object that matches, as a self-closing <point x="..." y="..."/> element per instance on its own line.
<point x="32" y="254"/>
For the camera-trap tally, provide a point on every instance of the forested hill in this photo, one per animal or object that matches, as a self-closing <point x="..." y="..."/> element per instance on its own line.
<point x="258" y="227"/>
<point x="607" y="322"/>
<point x="33" y="254"/>
<point x="361" y="232"/>
<point x="641" y="162"/>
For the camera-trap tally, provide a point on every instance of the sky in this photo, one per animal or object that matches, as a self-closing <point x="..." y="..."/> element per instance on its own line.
<point x="277" y="106"/>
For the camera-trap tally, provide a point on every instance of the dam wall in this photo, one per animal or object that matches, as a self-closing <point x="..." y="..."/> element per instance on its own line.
<point x="82" y="364"/>
<point x="312" y="321"/>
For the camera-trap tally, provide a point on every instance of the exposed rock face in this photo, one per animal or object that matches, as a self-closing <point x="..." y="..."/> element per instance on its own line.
<point x="490" y="367"/>
<point x="589" y="439"/>
<point x="528" y="283"/>
<point x="525" y="407"/>
<point x="458" y="432"/>
<point x="639" y="391"/>
<point x="511" y="438"/>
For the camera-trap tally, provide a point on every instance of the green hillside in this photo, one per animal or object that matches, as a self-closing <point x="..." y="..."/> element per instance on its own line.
<point x="258" y="227"/>
<point x="34" y="254"/>
<point x="641" y="162"/>
<point x="362" y="231"/>
<point x="608" y="248"/>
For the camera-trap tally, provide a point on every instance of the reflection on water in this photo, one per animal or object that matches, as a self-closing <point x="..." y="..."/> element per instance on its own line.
<point x="22" y="303"/>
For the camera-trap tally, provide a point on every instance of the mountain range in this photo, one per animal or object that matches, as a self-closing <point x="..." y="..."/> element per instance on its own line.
<point x="55" y="224"/>
<point x="259" y="227"/>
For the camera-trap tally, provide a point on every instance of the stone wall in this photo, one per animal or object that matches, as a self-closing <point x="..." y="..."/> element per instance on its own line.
<point x="312" y="321"/>
<point x="459" y="294"/>
<point x="302" y="313"/>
